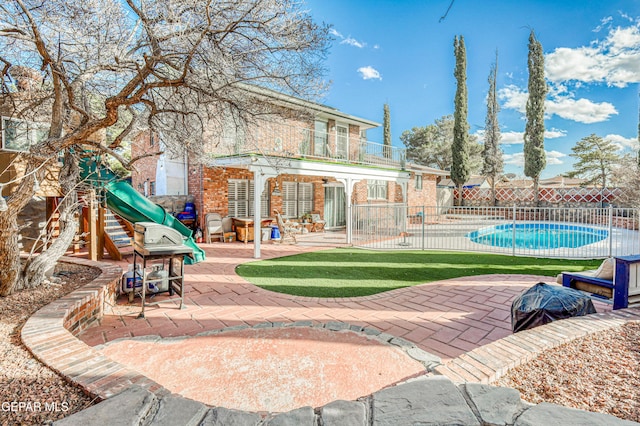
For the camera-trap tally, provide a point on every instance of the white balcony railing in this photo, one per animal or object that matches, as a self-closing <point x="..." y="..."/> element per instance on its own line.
<point x="275" y="139"/>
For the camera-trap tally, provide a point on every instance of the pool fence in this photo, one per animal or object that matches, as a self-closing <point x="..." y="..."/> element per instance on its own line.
<point x="610" y="231"/>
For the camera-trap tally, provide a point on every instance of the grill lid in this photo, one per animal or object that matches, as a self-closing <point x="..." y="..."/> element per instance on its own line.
<point x="150" y="234"/>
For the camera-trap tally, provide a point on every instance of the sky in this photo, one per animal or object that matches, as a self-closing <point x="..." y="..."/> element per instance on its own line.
<point x="401" y="53"/>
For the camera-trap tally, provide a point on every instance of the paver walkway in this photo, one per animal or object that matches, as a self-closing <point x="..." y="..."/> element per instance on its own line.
<point x="445" y="318"/>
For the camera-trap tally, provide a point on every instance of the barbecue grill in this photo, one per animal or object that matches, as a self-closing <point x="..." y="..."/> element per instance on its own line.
<point x="155" y="242"/>
<point x="155" y="238"/>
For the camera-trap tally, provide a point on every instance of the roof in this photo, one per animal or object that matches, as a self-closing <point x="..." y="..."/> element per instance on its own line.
<point x="473" y="182"/>
<point x="322" y="111"/>
<point x="419" y="168"/>
<point x="515" y="183"/>
<point x="561" y="182"/>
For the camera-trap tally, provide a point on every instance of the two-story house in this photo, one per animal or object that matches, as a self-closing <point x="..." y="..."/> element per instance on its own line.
<point x="318" y="162"/>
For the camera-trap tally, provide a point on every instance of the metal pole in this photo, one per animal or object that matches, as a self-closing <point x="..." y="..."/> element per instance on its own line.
<point x="610" y="230"/>
<point x="513" y="238"/>
<point x="424" y="219"/>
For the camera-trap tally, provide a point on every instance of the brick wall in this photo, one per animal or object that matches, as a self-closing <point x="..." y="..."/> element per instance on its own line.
<point x="427" y="196"/>
<point x="214" y="196"/>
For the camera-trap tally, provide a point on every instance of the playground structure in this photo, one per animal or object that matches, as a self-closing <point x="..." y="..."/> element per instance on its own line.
<point x="123" y="200"/>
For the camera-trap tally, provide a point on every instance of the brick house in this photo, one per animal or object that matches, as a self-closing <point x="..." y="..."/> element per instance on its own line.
<point x="319" y="162"/>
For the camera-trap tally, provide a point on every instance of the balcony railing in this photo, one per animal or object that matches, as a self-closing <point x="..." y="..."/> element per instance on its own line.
<point x="275" y="139"/>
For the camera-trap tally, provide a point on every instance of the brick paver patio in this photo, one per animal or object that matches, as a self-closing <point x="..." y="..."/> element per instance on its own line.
<point x="446" y="318"/>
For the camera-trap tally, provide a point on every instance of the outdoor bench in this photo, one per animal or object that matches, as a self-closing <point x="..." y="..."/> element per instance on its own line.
<point x="624" y="284"/>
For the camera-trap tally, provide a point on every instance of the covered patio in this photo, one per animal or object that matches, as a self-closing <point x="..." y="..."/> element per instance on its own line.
<point x="344" y="177"/>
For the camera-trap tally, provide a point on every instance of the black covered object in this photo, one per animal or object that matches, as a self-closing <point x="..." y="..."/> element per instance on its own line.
<point x="544" y="303"/>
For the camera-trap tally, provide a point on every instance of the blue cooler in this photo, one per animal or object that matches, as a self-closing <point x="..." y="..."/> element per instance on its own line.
<point x="275" y="233"/>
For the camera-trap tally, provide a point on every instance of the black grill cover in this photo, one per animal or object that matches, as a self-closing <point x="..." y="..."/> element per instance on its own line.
<point x="544" y="303"/>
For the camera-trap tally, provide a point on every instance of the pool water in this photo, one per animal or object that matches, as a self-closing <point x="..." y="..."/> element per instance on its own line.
<point x="538" y="236"/>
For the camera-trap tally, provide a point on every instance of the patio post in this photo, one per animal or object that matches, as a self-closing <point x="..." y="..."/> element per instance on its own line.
<point x="348" y="189"/>
<point x="258" y="187"/>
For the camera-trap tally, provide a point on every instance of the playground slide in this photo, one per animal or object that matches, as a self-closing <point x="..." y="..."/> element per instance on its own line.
<point x="135" y="207"/>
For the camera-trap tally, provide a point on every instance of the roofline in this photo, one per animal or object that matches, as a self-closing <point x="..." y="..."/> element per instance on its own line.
<point x="324" y="110"/>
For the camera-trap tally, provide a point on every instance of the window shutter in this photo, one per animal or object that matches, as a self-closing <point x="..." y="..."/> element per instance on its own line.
<point x="305" y="198"/>
<point x="289" y="199"/>
<point x="264" y="201"/>
<point x="238" y="200"/>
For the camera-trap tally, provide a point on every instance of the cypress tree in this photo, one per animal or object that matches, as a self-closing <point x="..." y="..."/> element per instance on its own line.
<point x="460" y="170"/>
<point x="493" y="162"/>
<point x="534" y="155"/>
<point x="387" y="132"/>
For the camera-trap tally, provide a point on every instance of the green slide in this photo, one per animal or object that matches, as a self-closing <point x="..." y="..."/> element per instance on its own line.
<point x="128" y="203"/>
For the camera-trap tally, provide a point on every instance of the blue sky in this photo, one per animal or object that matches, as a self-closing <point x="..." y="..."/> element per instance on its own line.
<point x="397" y="52"/>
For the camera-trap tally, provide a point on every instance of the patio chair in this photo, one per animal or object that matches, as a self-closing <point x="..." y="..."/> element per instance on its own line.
<point x="317" y="223"/>
<point x="213" y="226"/>
<point x="288" y="230"/>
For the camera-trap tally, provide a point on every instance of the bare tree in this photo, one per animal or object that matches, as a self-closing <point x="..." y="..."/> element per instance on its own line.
<point x="175" y="64"/>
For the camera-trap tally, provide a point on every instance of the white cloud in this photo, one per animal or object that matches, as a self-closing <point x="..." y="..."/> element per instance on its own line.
<point x="353" y="42"/>
<point x="517" y="159"/>
<point x="369" y="73"/>
<point x="581" y="110"/>
<point x="554" y="133"/>
<point x="561" y="103"/>
<point x="622" y="142"/>
<point x="554" y="157"/>
<point x="513" y="97"/>
<point x="515" y="138"/>
<point x="335" y="33"/>
<point x="603" y="23"/>
<point x="512" y="138"/>
<point x="376" y="46"/>
<point x="614" y="60"/>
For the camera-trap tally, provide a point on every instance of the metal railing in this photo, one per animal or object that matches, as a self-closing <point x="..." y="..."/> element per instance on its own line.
<point x="281" y="140"/>
<point x="519" y="231"/>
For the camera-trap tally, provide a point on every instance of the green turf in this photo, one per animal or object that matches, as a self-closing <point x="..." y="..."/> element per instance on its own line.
<point x="353" y="272"/>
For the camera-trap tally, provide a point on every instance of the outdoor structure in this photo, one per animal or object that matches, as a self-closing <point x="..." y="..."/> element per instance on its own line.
<point x="316" y="160"/>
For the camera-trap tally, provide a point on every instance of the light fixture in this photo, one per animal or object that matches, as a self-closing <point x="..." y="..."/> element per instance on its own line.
<point x="3" y="202"/>
<point x="276" y="191"/>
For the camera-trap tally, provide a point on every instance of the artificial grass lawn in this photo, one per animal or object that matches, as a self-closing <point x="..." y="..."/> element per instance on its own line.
<point x="353" y="272"/>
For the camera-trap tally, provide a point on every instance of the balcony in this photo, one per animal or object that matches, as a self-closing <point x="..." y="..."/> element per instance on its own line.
<point x="279" y="140"/>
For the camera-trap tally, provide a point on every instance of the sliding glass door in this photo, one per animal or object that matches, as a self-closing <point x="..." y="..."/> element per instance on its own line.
<point x="334" y="207"/>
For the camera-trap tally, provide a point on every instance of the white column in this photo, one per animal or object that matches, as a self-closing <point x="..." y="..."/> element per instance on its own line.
<point x="258" y="187"/>
<point x="259" y="181"/>
<point x="348" y="183"/>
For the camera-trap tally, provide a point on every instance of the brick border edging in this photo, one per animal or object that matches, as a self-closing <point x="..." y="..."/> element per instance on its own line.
<point x="428" y="360"/>
<point x="50" y="335"/>
<point x="488" y="363"/>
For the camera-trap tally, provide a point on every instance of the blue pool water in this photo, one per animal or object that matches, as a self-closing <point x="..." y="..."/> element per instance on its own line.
<point x="538" y="235"/>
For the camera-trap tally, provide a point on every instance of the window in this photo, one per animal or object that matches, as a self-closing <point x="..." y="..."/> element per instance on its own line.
<point x="240" y="199"/>
<point x="297" y="199"/>
<point x="19" y="135"/>
<point x="152" y="141"/>
<point x="418" y="181"/>
<point x="320" y="139"/>
<point x="152" y="188"/>
<point x="376" y="190"/>
<point x="342" y="141"/>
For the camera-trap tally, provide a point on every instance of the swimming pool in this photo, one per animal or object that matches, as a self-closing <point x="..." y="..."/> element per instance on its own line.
<point x="538" y="236"/>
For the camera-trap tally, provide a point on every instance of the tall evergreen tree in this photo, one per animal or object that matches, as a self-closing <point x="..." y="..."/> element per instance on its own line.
<point x="387" y="132"/>
<point x="460" y="171"/>
<point x="534" y="155"/>
<point x="493" y="163"/>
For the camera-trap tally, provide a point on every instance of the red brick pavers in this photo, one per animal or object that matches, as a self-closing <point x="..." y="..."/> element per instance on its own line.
<point x="446" y="318"/>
